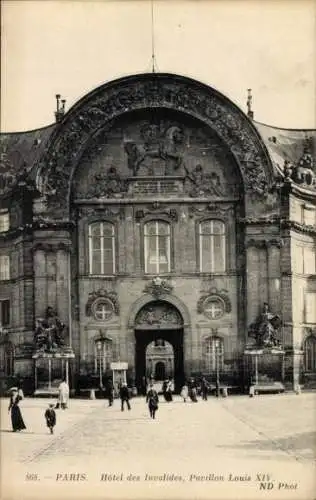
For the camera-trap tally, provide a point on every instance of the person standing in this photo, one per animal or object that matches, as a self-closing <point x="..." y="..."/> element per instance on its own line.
<point x="204" y="388"/>
<point x="16" y="416"/>
<point x="124" y="396"/>
<point x="63" y="397"/>
<point x="50" y="417"/>
<point x="184" y="393"/>
<point x="152" y="400"/>
<point x="110" y="391"/>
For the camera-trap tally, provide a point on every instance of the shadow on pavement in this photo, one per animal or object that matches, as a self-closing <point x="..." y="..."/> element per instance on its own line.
<point x="304" y="444"/>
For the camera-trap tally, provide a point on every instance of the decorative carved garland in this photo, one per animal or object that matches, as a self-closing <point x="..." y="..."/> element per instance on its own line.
<point x="102" y="294"/>
<point x="152" y="91"/>
<point x="158" y="287"/>
<point x="214" y="292"/>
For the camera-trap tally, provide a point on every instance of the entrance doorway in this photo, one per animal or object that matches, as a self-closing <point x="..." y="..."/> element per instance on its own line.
<point x="159" y="343"/>
<point x="160" y="371"/>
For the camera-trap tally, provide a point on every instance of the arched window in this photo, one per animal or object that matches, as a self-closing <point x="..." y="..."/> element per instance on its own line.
<point x="212" y="246"/>
<point x="310" y="354"/>
<point x="157" y="247"/>
<point x="7" y="359"/>
<point x="102" y="355"/>
<point x="214" y="354"/>
<point x="101" y="248"/>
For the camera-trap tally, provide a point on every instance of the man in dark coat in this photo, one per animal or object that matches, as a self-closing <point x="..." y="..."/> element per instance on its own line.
<point x="110" y="391"/>
<point x="152" y="400"/>
<point x="204" y="388"/>
<point x="124" y="395"/>
<point x="50" y="417"/>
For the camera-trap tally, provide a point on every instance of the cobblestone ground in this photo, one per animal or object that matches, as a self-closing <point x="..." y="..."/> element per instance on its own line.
<point x="189" y="451"/>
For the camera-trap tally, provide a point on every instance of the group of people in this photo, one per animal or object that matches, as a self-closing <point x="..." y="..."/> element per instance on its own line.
<point x="190" y="390"/>
<point x="50" y="415"/>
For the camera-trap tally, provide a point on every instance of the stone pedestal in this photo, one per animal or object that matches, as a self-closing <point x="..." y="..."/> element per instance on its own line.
<point x="50" y="368"/>
<point x="263" y="366"/>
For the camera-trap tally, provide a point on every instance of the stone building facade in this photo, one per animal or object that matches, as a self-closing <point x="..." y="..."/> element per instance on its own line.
<point x="156" y="210"/>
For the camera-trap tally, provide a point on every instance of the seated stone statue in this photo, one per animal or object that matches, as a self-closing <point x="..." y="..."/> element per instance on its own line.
<point x="265" y="328"/>
<point x="49" y="332"/>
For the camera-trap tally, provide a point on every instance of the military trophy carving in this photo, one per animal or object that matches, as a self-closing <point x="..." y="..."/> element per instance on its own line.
<point x="49" y="333"/>
<point x="52" y="355"/>
<point x="265" y="329"/>
<point x="264" y="356"/>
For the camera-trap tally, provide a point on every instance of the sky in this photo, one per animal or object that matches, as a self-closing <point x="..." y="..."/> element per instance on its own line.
<point x="73" y="46"/>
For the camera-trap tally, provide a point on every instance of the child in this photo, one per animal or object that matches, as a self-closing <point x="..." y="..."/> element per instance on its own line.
<point x="50" y="416"/>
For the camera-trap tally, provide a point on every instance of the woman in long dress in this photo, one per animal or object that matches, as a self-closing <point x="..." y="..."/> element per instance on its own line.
<point x="16" y="415"/>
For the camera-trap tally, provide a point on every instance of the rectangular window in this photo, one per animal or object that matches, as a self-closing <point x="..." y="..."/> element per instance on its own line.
<point x="4" y="312"/>
<point x="157" y="247"/>
<point x="101" y="248"/>
<point x="214" y="354"/>
<point x="4" y="267"/>
<point x="309" y="215"/>
<point x="4" y="221"/>
<point x="310" y="307"/>
<point x="309" y="260"/>
<point x="212" y="246"/>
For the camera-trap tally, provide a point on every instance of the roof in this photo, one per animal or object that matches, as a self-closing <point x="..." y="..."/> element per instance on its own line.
<point x="21" y="150"/>
<point x="286" y="144"/>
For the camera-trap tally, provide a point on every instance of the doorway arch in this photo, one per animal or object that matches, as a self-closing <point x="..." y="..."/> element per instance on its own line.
<point x="157" y="321"/>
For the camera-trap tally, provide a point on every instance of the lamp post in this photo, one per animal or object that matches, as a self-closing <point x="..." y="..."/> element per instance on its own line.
<point x="217" y="354"/>
<point x="99" y="345"/>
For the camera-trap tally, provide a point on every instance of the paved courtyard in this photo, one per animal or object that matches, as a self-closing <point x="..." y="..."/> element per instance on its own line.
<point x="224" y="448"/>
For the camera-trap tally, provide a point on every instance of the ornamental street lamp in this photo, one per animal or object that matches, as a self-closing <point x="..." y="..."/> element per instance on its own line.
<point x="217" y="355"/>
<point x="99" y="346"/>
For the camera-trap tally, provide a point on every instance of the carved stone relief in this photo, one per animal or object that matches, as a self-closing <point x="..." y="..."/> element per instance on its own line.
<point x="205" y="104"/>
<point x="158" y="315"/>
<point x="158" y="287"/>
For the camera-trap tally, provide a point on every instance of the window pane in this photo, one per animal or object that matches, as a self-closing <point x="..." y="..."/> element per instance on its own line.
<point x="163" y="249"/>
<point x="151" y="228"/>
<point x="310" y="307"/>
<point x="108" y="230"/>
<point x="4" y="221"/>
<point x="4" y="267"/>
<point x="206" y="227"/>
<point x="219" y="253"/>
<point x="95" y="229"/>
<point x="150" y="254"/>
<point x="96" y="243"/>
<point x="96" y="263"/>
<point x="163" y="228"/>
<point x="206" y="243"/>
<point x="309" y="260"/>
<point x="5" y="312"/>
<point x="218" y="227"/>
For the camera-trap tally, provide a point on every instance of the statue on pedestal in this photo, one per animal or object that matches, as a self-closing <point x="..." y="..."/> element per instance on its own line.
<point x="49" y="332"/>
<point x="265" y="329"/>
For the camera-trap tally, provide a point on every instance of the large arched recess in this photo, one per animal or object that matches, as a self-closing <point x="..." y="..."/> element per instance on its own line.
<point x="146" y="91"/>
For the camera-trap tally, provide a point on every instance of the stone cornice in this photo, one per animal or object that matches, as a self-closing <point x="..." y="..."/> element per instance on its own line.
<point x="303" y="228"/>
<point x="264" y="243"/>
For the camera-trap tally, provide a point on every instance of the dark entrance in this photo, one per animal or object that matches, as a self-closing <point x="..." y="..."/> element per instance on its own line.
<point x="155" y="321"/>
<point x="160" y="371"/>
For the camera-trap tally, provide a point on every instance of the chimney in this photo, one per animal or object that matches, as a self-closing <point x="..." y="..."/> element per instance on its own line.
<point x="250" y="113"/>
<point x="60" y="108"/>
